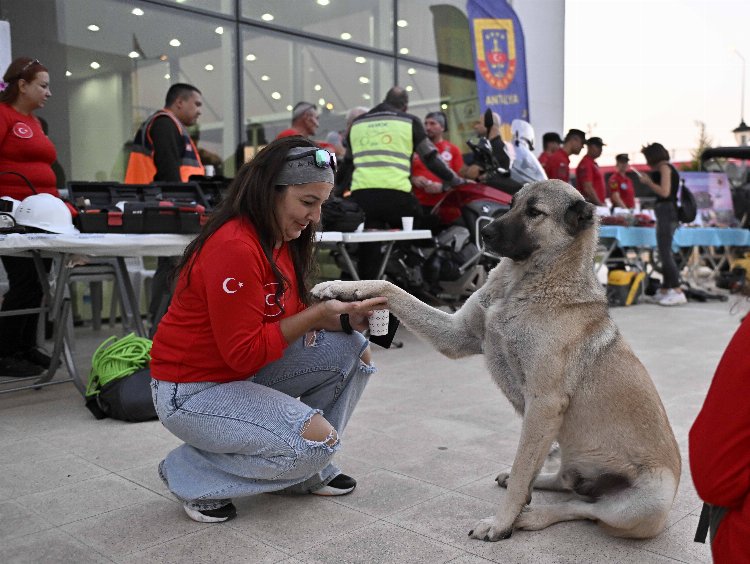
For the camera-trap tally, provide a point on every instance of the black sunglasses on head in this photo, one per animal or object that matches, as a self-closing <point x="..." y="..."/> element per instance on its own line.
<point x="28" y="65"/>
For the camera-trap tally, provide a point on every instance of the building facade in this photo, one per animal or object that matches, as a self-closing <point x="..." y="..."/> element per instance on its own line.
<point x="111" y="62"/>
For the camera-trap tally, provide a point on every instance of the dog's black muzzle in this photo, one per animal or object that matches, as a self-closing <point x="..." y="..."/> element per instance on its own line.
<point x="508" y="238"/>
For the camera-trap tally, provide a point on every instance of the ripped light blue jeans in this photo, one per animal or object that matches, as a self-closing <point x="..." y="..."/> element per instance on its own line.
<point x="245" y="437"/>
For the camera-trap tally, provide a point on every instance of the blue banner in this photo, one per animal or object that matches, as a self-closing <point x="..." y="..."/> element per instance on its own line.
<point x="499" y="58"/>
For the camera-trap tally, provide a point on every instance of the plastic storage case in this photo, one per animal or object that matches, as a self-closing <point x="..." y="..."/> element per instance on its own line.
<point x="162" y="207"/>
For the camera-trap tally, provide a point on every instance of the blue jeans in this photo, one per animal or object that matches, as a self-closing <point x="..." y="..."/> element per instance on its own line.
<point x="245" y="437"/>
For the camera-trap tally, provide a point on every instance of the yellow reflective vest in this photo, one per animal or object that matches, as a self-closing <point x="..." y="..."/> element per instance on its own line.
<point x="381" y="147"/>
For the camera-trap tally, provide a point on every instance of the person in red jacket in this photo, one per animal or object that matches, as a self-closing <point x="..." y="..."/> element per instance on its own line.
<point x="26" y="150"/>
<point x="427" y="187"/>
<point x="557" y="164"/>
<point x="719" y="442"/>
<point x="258" y="383"/>
<point x="589" y="179"/>
<point x="621" y="190"/>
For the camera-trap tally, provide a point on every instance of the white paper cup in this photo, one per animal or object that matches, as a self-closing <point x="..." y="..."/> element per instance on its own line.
<point x="407" y="223"/>
<point x="209" y="171"/>
<point x="379" y="322"/>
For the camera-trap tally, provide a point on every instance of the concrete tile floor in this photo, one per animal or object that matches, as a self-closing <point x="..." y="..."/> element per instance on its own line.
<point x="425" y="444"/>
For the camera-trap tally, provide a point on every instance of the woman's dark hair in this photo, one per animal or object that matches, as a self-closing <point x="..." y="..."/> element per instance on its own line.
<point x="252" y="196"/>
<point x="24" y="68"/>
<point x="655" y="153"/>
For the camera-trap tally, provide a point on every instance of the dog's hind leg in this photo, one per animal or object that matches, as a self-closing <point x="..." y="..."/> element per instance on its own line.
<point x="535" y="517"/>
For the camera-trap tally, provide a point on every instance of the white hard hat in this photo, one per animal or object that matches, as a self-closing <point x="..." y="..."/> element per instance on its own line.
<point x="47" y="212"/>
<point x="522" y="130"/>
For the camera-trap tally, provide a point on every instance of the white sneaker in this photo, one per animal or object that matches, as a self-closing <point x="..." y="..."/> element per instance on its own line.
<point x="672" y="298"/>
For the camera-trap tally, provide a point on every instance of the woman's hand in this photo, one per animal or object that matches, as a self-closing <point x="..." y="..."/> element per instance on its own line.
<point x="358" y="312"/>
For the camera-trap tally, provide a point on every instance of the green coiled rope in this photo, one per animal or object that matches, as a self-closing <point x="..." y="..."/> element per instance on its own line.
<point x="115" y="359"/>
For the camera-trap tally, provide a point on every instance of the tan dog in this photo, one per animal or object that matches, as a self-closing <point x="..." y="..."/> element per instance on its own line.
<point x="542" y="322"/>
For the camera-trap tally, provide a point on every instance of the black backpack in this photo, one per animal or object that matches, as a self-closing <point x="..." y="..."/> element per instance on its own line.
<point x="687" y="209"/>
<point x="341" y="214"/>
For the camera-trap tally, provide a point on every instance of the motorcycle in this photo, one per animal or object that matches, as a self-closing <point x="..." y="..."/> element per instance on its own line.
<point x="454" y="264"/>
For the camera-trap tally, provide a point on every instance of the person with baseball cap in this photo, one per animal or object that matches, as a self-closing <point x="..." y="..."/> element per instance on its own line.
<point x="620" y="185"/>
<point x="558" y="163"/>
<point x="589" y="179"/>
<point x="551" y="142"/>
<point x="427" y="187"/>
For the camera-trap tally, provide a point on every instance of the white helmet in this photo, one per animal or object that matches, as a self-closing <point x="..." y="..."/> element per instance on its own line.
<point x="47" y="212"/>
<point x="522" y="131"/>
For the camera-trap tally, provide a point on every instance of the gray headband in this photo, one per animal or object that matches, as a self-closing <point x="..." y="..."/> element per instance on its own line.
<point x="303" y="170"/>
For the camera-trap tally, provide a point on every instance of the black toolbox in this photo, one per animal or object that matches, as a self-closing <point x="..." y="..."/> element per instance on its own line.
<point x="161" y="207"/>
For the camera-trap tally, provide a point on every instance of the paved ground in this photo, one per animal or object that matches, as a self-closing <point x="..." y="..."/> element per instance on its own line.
<point x="427" y="440"/>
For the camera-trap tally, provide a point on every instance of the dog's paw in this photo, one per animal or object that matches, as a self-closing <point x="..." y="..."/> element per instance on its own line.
<point x="489" y="530"/>
<point x="350" y="291"/>
<point x="502" y="479"/>
<point x="346" y="291"/>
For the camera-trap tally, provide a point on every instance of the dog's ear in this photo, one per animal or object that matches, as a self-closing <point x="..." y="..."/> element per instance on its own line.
<point x="579" y="216"/>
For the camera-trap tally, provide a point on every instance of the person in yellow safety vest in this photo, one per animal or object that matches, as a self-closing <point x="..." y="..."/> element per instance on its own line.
<point x="380" y="145"/>
<point x="164" y="152"/>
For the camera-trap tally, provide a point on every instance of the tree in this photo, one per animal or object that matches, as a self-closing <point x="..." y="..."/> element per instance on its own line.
<point x="704" y="142"/>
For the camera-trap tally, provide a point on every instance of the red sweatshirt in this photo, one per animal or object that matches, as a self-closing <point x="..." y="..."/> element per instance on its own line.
<point x="720" y="449"/>
<point x="24" y="148"/>
<point x="223" y="324"/>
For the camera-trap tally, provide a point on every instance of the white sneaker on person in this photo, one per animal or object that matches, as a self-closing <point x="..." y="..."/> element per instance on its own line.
<point x="672" y="298"/>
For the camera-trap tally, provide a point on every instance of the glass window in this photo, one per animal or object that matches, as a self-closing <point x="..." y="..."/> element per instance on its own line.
<point x="220" y="6"/>
<point x="278" y="73"/>
<point x="453" y="93"/>
<point x="435" y="31"/>
<point x="362" y="22"/>
<point x="111" y="63"/>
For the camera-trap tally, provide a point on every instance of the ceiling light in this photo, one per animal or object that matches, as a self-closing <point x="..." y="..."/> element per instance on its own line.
<point x="175" y="42"/>
<point x="289" y="108"/>
<point x="367" y="96"/>
<point x="402" y="23"/>
<point x="324" y="2"/>
<point x="163" y="57"/>
<point x="219" y="30"/>
<point x="346" y="36"/>
<point x="267" y="17"/>
<point x="364" y="80"/>
<point x="93" y="27"/>
<point x="276" y="95"/>
<point x="409" y="88"/>
<point x="250" y="57"/>
<point x="133" y="54"/>
<point x="329" y="106"/>
<point x="167" y="76"/>
<point x="360" y="60"/>
<point x="443" y="106"/>
<point x="137" y="12"/>
<point x="321" y="101"/>
<point x="411" y="70"/>
<point x="94" y="65"/>
<point x="265" y="78"/>
<point x="317" y="88"/>
<point x="404" y="51"/>
<point x="68" y="73"/>
<point x="180" y="1"/>
<point x="209" y="67"/>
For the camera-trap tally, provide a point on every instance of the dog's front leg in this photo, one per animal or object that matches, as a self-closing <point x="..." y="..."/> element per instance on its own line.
<point x="542" y="420"/>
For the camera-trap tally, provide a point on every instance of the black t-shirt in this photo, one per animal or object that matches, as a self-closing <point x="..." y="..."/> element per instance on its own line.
<point x="169" y="148"/>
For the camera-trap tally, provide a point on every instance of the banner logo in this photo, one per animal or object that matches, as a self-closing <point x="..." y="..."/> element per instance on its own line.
<point x="495" y="43"/>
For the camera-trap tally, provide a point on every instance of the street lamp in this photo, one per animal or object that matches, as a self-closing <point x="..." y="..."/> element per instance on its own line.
<point x="742" y="131"/>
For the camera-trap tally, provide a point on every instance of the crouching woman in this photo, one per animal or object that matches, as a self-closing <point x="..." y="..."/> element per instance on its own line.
<point x="258" y="383"/>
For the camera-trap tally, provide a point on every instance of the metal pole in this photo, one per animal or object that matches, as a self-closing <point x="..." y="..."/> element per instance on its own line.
<point x="742" y="88"/>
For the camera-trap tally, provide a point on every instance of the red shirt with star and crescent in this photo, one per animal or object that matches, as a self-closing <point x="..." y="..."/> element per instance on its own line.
<point x="24" y="148"/>
<point x="223" y="322"/>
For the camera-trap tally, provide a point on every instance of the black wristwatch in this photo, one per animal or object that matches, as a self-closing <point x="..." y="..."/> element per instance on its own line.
<point x="346" y="327"/>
